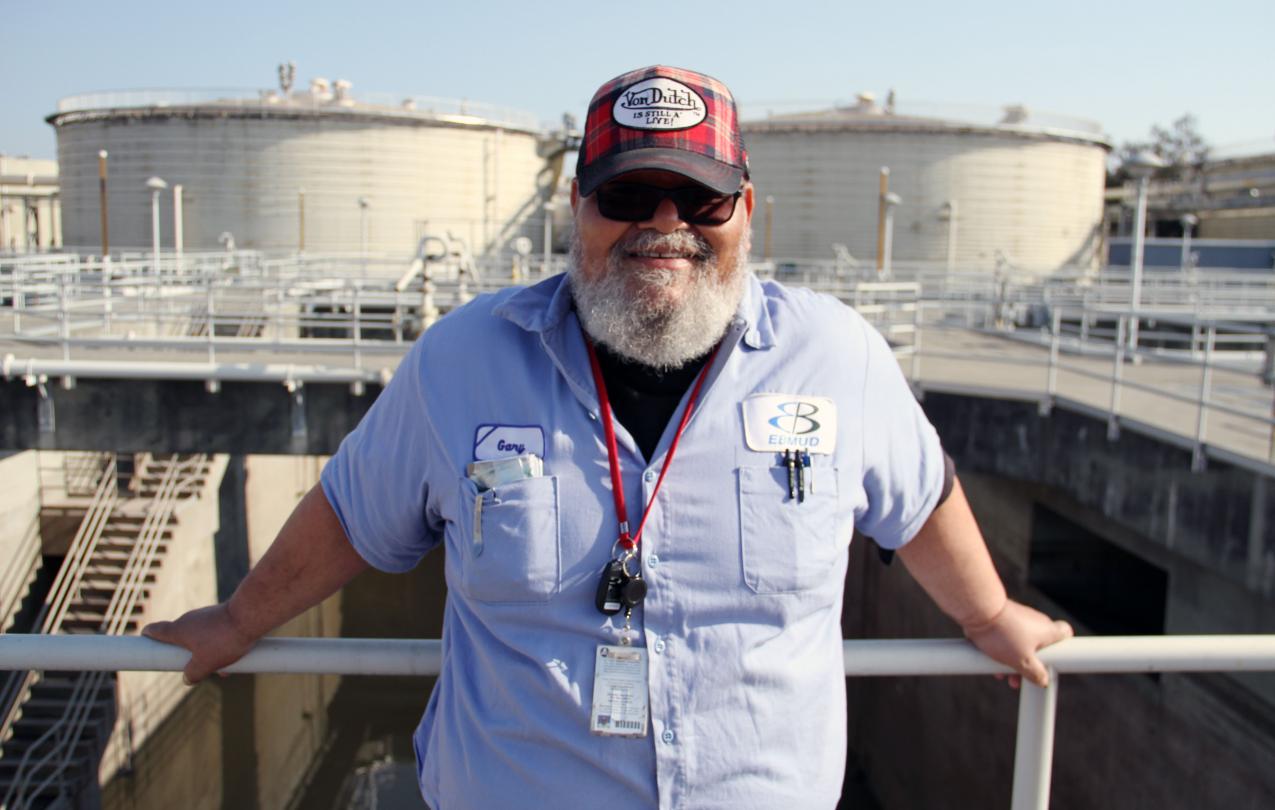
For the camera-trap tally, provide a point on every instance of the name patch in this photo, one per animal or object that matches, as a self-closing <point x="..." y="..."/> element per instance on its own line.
<point x="779" y="422"/>
<point x="659" y="103"/>
<point x="505" y="441"/>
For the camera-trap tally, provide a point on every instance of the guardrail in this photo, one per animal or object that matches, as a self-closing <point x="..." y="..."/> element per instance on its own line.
<point x="899" y="657"/>
<point x="208" y="315"/>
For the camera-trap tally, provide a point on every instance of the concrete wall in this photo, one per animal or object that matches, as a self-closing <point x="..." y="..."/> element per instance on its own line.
<point x="1122" y="741"/>
<point x="19" y="529"/>
<point x="186" y="579"/>
<point x="246" y="741"/>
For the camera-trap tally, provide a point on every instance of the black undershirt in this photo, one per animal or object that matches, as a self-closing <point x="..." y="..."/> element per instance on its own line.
<point x="643" y="398"/>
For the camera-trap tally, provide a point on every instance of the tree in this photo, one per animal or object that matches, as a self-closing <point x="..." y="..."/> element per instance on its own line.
<point x="1180" y="145"/>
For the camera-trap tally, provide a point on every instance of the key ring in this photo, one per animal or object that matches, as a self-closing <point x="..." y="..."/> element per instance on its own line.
<point x="624" y="564"/>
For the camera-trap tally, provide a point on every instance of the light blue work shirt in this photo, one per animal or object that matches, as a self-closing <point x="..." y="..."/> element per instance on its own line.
<point x="742" y="617"/>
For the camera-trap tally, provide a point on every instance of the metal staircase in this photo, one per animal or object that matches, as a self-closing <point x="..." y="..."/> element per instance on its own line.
<point x="54" y="725"/>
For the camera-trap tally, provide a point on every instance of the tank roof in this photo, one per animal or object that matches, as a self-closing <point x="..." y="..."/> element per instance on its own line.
<point x="866" y="115"/>
<point x="324" y="101"/>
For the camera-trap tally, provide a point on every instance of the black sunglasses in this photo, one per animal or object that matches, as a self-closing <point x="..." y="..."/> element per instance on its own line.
<point x="637" y="202"/>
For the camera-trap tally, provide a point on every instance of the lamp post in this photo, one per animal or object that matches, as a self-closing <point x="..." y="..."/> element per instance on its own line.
<point x="1140" y="166"/>
<point x="364" y="203"/>
<point x="300" y="220"/>
<point x="947" y="213"/>
<point x="156" y="185"/>
<point x="770" y="223"/>
<point x="178" y="236"/>
<point x="1189" y="221"/>
<point x="101" y="194"/>
<point x="890" y="201"/>
<point x="883" y="190"/>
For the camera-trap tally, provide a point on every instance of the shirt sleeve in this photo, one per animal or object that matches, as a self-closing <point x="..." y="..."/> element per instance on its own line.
<point x="903" y="467"/>
<point x="378" y="481"/>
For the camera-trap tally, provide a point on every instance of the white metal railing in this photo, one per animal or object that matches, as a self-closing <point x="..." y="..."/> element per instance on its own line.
<point x="1036" y="709"/>
<point x="298" y="319"/>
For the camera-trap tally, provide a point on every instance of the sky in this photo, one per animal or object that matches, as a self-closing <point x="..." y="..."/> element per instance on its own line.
<point x="1125" y="64"/>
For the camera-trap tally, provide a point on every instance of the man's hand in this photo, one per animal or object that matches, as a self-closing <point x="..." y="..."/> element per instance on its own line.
<point x="212" y="637"/>
<point x="1014" y="635"/>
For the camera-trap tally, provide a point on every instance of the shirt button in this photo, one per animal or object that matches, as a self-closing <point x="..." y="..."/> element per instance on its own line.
<point x="648" y="476"/>
<point x="653" y="561"/>
<point x="667" y="736"/>
<point x="659" y="645"/>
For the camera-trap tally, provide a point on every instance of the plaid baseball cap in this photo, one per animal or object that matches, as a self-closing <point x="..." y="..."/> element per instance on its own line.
<point x="663" y="118"/>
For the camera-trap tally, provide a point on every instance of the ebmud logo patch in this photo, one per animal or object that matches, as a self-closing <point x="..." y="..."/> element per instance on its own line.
<point x="795" y="418"/>
<point x="659" y="103"/>
<point x="778" y="422"/>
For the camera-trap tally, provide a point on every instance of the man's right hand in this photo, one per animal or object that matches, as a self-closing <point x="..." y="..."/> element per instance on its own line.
<point x="214" y="640"/>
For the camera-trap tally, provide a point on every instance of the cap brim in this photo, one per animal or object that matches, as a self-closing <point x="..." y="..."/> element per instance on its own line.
<point x="720" y="177"/>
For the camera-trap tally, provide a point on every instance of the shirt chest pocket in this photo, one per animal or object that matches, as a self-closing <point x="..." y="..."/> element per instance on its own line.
<point x="509" y="541"/>
<point x="787" y="545"/>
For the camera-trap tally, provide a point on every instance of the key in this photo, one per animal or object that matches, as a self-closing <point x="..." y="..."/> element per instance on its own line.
<point x="633" y="592"/>
<point x="610" y="588"/>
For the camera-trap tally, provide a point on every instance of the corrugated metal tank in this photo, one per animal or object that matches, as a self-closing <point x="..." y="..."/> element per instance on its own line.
<point x="1030" y="196"/>
<point x="243" y="164"/>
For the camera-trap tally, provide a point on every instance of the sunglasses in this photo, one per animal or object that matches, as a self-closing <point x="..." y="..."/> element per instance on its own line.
<point x="637" y="202"/>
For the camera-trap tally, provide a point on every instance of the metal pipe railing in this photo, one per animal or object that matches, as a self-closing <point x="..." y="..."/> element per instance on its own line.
<point x="1036" y="713"/>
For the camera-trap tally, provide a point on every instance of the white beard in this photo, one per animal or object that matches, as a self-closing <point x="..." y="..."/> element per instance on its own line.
<point x="621" y="309"/>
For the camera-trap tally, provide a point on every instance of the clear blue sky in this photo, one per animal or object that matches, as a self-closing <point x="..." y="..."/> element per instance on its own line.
<point x="1126" y="64"/>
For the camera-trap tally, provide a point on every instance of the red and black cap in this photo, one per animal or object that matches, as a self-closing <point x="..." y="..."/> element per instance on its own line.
<point x="663" y="118"/>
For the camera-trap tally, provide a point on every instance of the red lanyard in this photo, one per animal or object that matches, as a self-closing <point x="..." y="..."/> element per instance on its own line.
<point x="627" y="542"/>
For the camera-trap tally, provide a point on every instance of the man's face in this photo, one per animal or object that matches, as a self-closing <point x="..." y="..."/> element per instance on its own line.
<point x="660" y="291"/>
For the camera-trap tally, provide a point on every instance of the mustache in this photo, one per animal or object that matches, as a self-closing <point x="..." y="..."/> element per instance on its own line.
<point x="685" y="243"/>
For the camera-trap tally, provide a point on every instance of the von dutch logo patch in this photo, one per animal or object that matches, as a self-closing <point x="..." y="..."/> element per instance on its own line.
<point x="659" y="103"/>
<point x="505" y="441"/>
<point x="778" y="422"/>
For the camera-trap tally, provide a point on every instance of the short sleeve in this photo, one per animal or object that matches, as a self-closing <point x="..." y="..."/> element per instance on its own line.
<point x="902" y="457"/>
<point x="378" y="481"/>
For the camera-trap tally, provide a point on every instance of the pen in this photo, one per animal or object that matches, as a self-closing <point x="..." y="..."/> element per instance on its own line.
<point x="790" y="460"/>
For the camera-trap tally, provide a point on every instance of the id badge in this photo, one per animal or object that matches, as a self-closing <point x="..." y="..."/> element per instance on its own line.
<point x="619" y="692"/>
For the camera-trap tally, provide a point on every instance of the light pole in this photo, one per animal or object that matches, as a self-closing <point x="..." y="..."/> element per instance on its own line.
<point x="178" y="236"/>
<point x="101" y="193"/>
<point x="1140" y="166"/>
<point x="890" y="201"/>
<point x="947" y="213"/>
<point x="156" y="185"/>
<point x="1189" y="221"/>
<point x="883" y="191"/>
<point x="770" y="224"/>
<point x="364" y="202"/>
<point x="300" y="219"/>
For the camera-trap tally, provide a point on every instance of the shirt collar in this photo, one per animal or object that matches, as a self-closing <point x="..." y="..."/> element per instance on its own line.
<point x="544" y="305"/>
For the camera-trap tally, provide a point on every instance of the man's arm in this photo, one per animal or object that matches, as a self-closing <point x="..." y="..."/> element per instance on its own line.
<point x="310" y="559"/>
<point x="949" y="559"/>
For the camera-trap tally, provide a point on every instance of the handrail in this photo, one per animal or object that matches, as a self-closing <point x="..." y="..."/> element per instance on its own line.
<point x="1036" y="709"/>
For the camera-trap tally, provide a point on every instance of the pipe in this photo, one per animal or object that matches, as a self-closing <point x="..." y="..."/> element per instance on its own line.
<point x="225" y="372"/>
<point x="882" y="206"/>
<point x="894" y="657"/>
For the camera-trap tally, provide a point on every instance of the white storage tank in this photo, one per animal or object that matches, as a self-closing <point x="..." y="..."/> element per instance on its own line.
<point x="1026" y="191"/>
<point x="275" y="168"/>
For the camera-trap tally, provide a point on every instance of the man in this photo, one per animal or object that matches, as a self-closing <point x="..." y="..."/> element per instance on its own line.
<point x="645" y="476"/>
